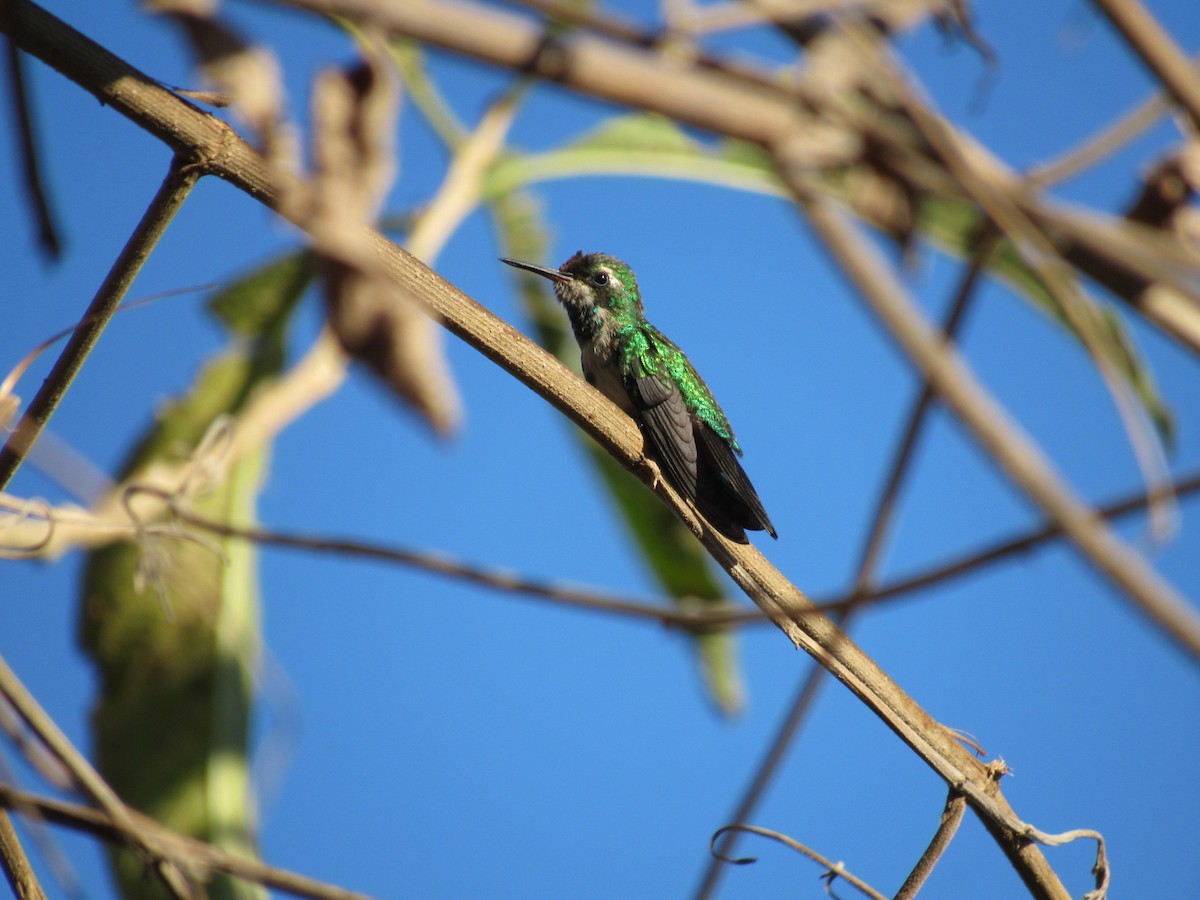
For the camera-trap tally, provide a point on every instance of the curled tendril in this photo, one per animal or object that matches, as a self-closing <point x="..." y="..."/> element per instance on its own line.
<point x="35" y="508"/>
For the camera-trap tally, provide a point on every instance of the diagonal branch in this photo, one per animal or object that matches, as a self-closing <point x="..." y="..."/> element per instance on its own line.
<point x="864" y="579"/>
<point x="170" y="197"/>
<point x="185" y="850"/>
<point x="1158" y="51"/>
<point x="833" y="870"/>
<point x="952" y="816"/>
<point x="15" y="864"/>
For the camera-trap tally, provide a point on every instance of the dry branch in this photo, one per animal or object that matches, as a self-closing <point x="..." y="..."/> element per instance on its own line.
<point x="1156" y="49"/>
<point x="833" y="870"/>
<point x="35" y="186"/>
<point x="169" y="199"/>
<point x="15" y="864"/>
<point x="864" y="578"/>
<point x="187" y="851"/>
<point x="952" y="815"/>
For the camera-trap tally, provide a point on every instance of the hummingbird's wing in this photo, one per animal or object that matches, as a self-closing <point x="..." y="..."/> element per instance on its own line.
<point x="697" y="461"/>
<point x="667" y="424"/>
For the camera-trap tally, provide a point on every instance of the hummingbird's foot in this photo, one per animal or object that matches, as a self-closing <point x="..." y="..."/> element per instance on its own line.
<point x="655" y="472"/>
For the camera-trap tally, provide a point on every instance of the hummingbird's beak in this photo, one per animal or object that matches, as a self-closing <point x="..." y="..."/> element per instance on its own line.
<point x="544" y="271"/>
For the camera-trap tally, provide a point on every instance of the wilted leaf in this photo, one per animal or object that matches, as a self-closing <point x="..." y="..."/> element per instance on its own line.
<point x="354" y="120"/>
<point x="1167" y="190"/>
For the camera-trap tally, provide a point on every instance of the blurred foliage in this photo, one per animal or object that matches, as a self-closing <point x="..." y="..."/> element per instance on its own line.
<point x="171" y="623"/>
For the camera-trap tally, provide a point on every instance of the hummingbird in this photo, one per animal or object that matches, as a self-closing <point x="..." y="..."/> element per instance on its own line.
<point x="636" y="367"/>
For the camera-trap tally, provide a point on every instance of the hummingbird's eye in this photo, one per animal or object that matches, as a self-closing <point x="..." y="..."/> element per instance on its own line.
<point x="600" y="278"/>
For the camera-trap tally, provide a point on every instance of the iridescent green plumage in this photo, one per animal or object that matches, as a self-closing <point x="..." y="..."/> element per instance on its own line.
<point x="648" y="346"/>
<point x="633" y="364"/>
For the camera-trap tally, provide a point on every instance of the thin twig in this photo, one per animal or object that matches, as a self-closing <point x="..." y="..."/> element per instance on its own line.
<point x="1101" y="870"/>
<point x="1100" y="145"/>
<point x="600" y="601"/>
<point x="58" y="866"/>
<point x="1158" y="51"/>
<point x="185" y="850"/>
<point x="167" y="201"/>
<point x="35" y="185"/>
<point x="832" y="870"/>
<point x="868" y="565"/>
<point x="952" y="816"/>
<point x="437" y="564"/>
<point x="1003" y="549"/>
<point x="15" y="864"/>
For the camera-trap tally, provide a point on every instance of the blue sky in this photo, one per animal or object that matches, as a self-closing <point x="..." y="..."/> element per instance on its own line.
<point x="441" y="741"/>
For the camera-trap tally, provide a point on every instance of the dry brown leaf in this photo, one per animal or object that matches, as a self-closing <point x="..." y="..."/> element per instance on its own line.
<point x="1163" y="191"/>
<point x="244" y="75"/>
<point x="354" y="123"/>
<point x="1167" y="191"/>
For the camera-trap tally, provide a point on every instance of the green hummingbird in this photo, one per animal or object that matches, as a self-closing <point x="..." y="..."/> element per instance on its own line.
<point x="636" y="367"/>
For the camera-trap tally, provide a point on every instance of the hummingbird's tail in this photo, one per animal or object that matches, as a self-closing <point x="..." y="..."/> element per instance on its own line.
<point x="724" y="494"/>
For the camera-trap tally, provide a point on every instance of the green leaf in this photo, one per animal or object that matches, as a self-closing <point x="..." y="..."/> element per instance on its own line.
<point x="638" y="145"/>
<point x="176" y="655"/>
<point x="682" y="567"/>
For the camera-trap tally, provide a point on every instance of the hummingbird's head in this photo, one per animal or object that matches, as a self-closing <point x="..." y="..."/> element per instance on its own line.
<point x="589" y="283"/>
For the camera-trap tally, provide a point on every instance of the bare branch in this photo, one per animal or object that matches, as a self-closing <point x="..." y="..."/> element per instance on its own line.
<point x="186" y="851"/>
<point x="15" y="865"/>
<point x="1100" y="869"/>
<point x="952" y="816"/>
<point x="438" y="564"/>
<point x="833" y="870"/>
<point x="864" y="579"/>
<point x="1101" y="144"/>
<point x="170" y="197"/>
<point x="1158" y="51"/>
